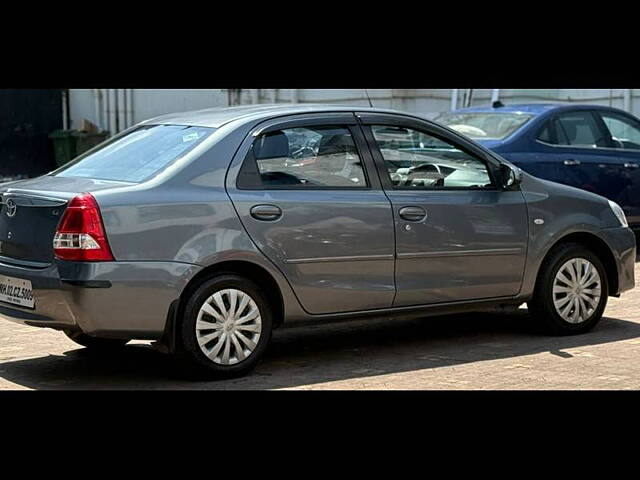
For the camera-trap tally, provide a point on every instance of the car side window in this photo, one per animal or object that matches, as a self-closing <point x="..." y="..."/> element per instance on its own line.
<point x="580" y="129"/>
<point x="546" y="135"/>
<point x="624" y="133"/>
<point x="310" y="156"/>
<point x="418" y="160"/>
<point x="553" y="134"/>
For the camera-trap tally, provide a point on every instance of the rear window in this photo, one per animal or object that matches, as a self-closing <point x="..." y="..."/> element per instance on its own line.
<point x="138" y="155"/>
<point x="484" y="126"/>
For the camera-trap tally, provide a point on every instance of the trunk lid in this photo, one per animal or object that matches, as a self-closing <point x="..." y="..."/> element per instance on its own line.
<point x="30" y="212"/>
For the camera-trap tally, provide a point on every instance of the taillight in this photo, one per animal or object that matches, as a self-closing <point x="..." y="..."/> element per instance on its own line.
<point x="80" y="236"/>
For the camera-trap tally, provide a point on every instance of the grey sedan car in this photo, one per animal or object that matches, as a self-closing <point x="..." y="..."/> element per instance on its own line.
<point x="207" y="230"/>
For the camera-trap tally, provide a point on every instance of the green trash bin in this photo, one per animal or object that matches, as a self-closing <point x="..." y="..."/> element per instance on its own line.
<point x="68" y="144"/>
<point x="64" y="146"/>
<point x="86" y="141"/>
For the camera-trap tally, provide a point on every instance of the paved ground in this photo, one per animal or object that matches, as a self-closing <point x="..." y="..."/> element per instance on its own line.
<point x="480" y="351"/>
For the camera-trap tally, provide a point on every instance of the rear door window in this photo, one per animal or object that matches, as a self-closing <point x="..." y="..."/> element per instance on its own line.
<point x="580" y="129"/>
<point x="307" y="157"/>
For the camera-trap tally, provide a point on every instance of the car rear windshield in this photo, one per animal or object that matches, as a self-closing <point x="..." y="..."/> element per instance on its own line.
<point x="484" y="126"/>
<point x="137" y="156"/>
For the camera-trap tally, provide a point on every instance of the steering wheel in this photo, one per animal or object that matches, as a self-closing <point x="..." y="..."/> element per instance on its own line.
<point x="304" y="151"/>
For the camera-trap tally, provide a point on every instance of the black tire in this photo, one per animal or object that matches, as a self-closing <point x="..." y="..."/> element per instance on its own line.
<point x="96" y="343"/>
<point x="189" y="350"/>
<point x="541" y="305"/>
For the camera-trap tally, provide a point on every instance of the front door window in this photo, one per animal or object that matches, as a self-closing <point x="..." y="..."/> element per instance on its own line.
<point x="418" y="160"/>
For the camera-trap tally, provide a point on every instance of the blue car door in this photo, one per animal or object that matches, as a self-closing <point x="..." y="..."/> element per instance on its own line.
<point x="625" y="134"/>
<point x="575" y="149"/>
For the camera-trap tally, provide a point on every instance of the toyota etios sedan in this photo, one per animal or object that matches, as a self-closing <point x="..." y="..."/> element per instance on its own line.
<point x="207" y="230"/>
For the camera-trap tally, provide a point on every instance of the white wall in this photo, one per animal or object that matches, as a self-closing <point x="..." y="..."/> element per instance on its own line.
<point x="152" y="103"/>
<point x="148" y="103"/>
<point x="81" y="105"/>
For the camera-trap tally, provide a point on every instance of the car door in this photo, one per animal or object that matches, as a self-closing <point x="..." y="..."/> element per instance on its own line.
<point x="458" y="237"/>
<point x="309" y="197"/>
<point x="625" y="136"/>
<point x="576" y="151"/>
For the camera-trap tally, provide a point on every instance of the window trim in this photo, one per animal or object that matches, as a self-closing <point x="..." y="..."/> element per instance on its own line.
<point x="249" y="164"/>
<point x="384" y="174"/>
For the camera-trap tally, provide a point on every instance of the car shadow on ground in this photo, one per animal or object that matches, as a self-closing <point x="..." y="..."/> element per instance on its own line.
<point x="301" y="356"/>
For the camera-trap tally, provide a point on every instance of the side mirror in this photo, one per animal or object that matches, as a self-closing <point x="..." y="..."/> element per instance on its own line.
<point x="510" y="176"/>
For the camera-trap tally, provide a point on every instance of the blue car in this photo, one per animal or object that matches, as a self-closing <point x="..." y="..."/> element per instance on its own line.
<point x="591" y="147"/>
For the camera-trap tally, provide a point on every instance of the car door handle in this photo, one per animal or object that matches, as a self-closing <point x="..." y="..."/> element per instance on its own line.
<point x="571" y="162"/>
<point x="267" y="213"/>
<point x="412" y="214"/>
<point x="630" y="165"/>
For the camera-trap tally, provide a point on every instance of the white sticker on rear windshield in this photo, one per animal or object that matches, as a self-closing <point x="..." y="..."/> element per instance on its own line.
<point x="190" y="137"/>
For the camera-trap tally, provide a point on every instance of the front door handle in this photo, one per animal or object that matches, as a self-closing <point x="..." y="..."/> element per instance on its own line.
<point x="266" y="213"/>
<point x="571" y="162"/>
<point x="630" y="165"/>
<point x="412" y="214"/>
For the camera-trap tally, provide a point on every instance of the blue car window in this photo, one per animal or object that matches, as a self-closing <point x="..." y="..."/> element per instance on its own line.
<point x="546" y="135"/>
<point x="580" y="129"/>
<point x="484" y="126"/>
<point x="624" y="133"/>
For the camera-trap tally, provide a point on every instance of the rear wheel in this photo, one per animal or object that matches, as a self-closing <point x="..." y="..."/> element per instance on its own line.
<point x="226" y="327"/>
<point x="95" y="343"/>
<point x="571" y="291"/>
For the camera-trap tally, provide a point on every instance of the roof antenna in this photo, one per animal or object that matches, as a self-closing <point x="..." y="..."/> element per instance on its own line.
<point x="368" y="97"/>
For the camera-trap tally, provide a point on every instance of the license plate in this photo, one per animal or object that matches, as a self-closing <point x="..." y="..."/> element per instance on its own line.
<point x="16" y="291"/>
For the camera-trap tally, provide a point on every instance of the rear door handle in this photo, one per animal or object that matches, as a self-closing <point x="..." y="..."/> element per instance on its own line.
<point x="571" y="162"/>
<point x="266" y="213"/>
<point x="412" y="214"/>
<point x="630" y="165"/>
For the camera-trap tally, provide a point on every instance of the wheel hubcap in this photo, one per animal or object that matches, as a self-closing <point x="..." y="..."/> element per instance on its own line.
<point x="228" y="326"/>
<point x="576" y="290"/>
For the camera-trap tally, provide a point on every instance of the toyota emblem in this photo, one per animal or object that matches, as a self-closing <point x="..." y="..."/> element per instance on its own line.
<point x="11" y="208"/>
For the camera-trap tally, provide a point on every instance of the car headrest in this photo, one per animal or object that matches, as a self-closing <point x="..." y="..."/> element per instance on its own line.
<point x="335" y="144"/>
<point x="271" y="145"/>
<point x="571" y="130"/>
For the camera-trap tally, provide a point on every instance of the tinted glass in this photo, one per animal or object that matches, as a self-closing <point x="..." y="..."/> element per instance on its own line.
<point x="624" y="132"/>
<point x="311" y="156"/>
<point x="415" y="159"/>
<point x="553" y="134"/>
<point x="580" y="129"/>
<point x="545" y="134"/>
<point x="139" y="155"/>
<point x="486" y="126"/>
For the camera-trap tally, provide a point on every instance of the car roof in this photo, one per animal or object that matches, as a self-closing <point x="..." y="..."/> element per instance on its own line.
<point x="217" y="117"/>
<point x="535" y="108"/>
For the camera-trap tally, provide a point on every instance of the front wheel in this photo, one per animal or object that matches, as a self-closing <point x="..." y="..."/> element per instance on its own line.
<point x="226" y="326"/>
<point x="571" y="291"/>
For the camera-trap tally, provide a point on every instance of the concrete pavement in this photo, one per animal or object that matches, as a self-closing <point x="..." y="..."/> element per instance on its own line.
<point x="479" y="351"/>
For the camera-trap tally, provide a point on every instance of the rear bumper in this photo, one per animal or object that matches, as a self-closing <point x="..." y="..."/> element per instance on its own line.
<point x="622" y="242"/>
<point x="111" y="299"/>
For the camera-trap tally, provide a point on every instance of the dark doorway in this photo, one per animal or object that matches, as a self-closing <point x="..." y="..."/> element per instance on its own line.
<point x="27" y="117"/>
